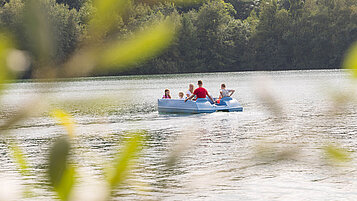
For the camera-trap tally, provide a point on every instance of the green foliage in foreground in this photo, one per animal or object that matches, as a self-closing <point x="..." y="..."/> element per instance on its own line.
<point x="60" y="172"/>
<point x="213" y="36"/>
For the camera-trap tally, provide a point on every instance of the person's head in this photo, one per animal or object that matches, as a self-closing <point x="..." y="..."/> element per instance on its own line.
<point x="181" y="94"/>
<point x="199" y="83"/>
<point x="191" y="87"/>
<point x="167" y="91"/>
<point x="223" y="86"/>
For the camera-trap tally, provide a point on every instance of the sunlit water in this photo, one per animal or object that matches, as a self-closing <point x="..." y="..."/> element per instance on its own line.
<point x="220" y="156"/>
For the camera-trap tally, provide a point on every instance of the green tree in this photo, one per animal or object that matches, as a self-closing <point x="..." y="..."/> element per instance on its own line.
<point x="188" y="43"/>
<point x="264" y="40"/>
<point x="295" y="7"/>
<point x="66" y="29"/>
<point x="212" y="20"/>
<point x="76" y="4"/>
<point x="3" y="2"/>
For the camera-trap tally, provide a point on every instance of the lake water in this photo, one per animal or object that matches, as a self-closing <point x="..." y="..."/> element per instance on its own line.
<point x="274" y="150"/>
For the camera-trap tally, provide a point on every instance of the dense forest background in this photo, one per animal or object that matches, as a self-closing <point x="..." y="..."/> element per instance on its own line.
<point x="215" y="35"/>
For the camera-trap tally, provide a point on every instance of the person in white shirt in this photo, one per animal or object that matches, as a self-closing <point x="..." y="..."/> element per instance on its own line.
<point x="225" y="92"/>
<point x="190" y="90"/>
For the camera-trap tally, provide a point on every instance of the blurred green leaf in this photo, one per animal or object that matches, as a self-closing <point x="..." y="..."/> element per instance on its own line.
<point x="144" y="45"/>
<point x="350" y="61"/>
<point x="28" y="192"/>
<point x="130" y="149"/>
<point x="5" y="47"/>
<point x="65" y="120"/>
<point x="19" y="158"/>
<point x="64" y="188"/>
<point x="106" y="15"/>
<point x="31" y="108"/>
<point x="61" y="174"/>
<point x="272" y="152"/>
<point x="38" y="30"/>
<point x="337" y="154"/>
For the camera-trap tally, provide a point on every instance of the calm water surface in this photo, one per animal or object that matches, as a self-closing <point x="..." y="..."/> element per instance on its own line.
<point x="257" y="154"/>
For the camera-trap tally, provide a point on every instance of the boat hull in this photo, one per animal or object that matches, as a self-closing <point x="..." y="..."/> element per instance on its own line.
<point x="201" y="105"/>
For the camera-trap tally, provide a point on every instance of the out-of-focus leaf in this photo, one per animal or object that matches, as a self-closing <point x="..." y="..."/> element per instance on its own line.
<point x="130" y="149"/>
<point x="65" y="120"/>
<point x="184" y="143"/>
<point x="350" y="61"/>
<point x="145" y="44"/>
<point x="38" y="30"/>
<point x="269" y="98"/>
<point x="270" y="152"/>
<point x="340" y="97"/>
<point x="58" y="160"/>
<point x="107" y="13"/>
<point x="28" y="192"/>
<point x="18" y="61"/>
<point x="336" y="154"/>
<point x="61" y="174"/>
<point x="64" y="188"/>
<point x="19" y="158"/>
<point x="5" y="47"/>
<point x="32" y="108"/>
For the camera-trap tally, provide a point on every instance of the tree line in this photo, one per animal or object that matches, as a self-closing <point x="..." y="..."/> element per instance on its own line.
<point x="214" y="35"/>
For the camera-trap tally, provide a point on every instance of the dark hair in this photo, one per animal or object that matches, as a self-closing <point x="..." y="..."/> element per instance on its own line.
<point x="223" y="85"/>
<point x="199" y="82"/>
<point x="166" y="90"/>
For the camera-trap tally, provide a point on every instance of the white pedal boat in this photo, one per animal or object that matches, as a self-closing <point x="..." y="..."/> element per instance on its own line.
<point x="201" y="105"/>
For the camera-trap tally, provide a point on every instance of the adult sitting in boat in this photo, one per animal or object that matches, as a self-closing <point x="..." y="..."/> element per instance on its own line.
<point x="190" y="90"/>
<point x="200" y="92"/>
<point x="167" y="94"/>
<point x="225" y="92"/>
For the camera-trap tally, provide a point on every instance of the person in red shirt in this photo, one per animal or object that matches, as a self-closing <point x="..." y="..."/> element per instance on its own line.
<point x="200" y="92"/>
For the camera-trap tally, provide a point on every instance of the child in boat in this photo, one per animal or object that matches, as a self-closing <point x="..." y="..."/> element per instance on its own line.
<point x="223" y="92"/>
<point x="167" y="94"/>
<point x="181" y="95"/>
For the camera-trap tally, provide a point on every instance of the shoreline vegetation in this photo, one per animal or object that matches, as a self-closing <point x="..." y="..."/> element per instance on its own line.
<point x="124" y="76"/>
<point x="212" y="36"/>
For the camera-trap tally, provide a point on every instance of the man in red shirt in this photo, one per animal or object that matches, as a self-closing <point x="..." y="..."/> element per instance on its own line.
<point x="200" y="92"/>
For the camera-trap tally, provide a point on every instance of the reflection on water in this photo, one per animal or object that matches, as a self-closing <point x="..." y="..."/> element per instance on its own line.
<point x="252" y="155"/>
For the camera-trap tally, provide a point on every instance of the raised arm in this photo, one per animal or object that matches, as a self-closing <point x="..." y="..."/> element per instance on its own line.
<point x="189" y="98"/>
<point x="232" y="92"/>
